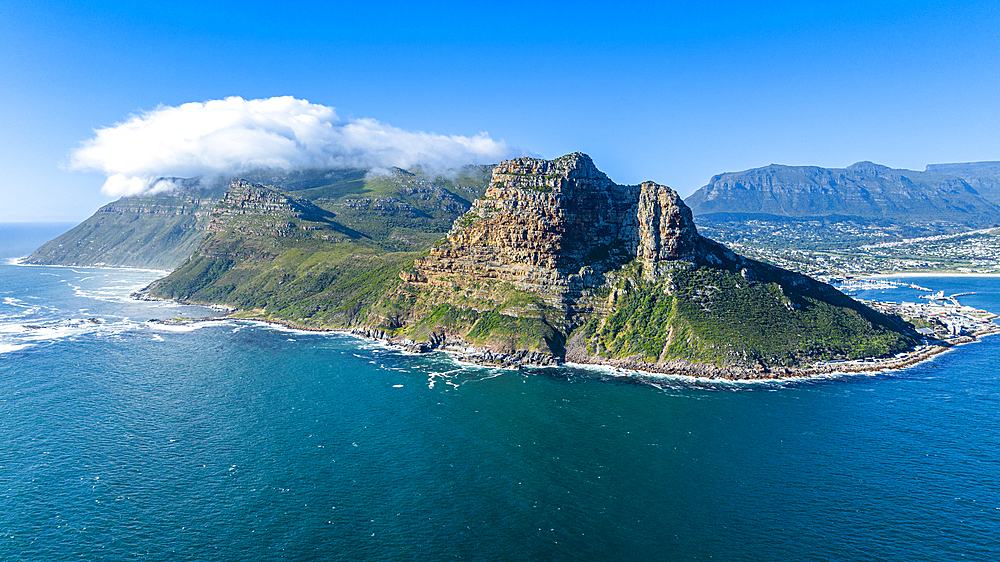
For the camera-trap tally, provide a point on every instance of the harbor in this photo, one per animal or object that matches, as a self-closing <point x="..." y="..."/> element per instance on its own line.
<point x="942" y="319"/>
<point x="853" y="285"/>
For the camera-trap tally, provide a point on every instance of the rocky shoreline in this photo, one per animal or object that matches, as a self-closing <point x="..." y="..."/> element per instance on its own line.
<point x="468" y="353"/>
<point x="462" y="350"/>
<point x="465" y="352"/>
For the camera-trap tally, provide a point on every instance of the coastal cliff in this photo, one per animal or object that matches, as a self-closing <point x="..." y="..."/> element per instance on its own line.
<point x="152" y="231"/>
<point x="545" y="261"/>
<point x="555" y="228"/>
<point x="557" y="259"/>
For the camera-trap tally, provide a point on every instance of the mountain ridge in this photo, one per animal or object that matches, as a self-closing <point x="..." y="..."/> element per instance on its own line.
<point x="155" y="232"/>
<point x="863" y="190"/>
<point x="984" y="177"/>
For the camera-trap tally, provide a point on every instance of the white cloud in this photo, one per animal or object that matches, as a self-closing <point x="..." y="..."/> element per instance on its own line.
<point x="229" y="136"/>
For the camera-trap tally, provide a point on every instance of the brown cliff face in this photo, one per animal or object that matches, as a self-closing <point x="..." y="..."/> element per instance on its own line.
<point x="256" y="210"/>
<point x="244" y="200"/>
<point x="666" y="230"/>
<point x="555" y="227"/>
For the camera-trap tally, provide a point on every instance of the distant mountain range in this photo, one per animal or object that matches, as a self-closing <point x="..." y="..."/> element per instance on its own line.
<point x="943" y="195"/>
<point x="984" y="177"/>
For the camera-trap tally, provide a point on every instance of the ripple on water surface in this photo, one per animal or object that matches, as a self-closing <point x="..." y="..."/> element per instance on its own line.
<point x="243" y="441"/>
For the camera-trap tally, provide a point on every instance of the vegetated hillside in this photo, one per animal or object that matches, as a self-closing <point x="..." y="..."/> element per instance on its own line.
<point x="320" y="262"/>
<point x="513" y="275"/>
<point x="156" y="231"/>
<point x="984" y="177"/>
<point x="735" y="312"/>
<point x="862" y="191"/>
<point x="399" y="210"/>
<point x="404" y="210"/>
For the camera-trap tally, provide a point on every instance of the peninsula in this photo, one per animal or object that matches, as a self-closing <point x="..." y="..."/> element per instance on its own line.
<point x="554" y="262"/>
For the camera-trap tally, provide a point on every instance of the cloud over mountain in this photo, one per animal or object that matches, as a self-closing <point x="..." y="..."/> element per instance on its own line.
<point x="228" y="136"/>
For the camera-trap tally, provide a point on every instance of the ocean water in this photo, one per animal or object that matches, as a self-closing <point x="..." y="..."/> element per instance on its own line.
<point x="122" y="439"/>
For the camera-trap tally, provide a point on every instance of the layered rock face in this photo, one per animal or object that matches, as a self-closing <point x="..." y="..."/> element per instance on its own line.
<point x="555" y="227"/>
<point x="665" y="226"/>
<point x="259" y="211"/>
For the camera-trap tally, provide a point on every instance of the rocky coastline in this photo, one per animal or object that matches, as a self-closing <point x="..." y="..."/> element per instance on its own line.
<point x="652" y="371"/>
<point x="465" y="352"/>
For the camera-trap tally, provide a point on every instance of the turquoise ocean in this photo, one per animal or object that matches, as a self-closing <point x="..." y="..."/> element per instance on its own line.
<point x="122" y="439"/>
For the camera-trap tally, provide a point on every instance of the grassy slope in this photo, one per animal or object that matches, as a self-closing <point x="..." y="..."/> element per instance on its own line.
<point x="486" y="313"/>
<point x="333" y="270"/>
<point x="713" y="314"/>
<point x="156" y="232"/>
<point x="333" y="285"/>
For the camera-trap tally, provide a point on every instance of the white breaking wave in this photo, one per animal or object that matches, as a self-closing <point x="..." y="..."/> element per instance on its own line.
<point x="186" y="326"/>
<point x="11" y="347"/>
<point x="29" y="320"/>
<point x="27" y="333"/>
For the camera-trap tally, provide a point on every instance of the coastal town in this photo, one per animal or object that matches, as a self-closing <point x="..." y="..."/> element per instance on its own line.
<point x="942" y="320"/>
<point x="942" y="317"/>
<point x="861" y="251"/>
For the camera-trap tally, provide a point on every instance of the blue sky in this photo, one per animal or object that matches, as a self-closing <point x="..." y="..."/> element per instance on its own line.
<point x="663" y="92"/>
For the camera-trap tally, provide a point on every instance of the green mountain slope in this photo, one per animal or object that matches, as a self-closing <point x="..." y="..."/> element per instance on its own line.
<point x="323" y="262"/>
<point x="731" y="311"/>
<point x="399" y="210"/>
<point x="158" y="232"/>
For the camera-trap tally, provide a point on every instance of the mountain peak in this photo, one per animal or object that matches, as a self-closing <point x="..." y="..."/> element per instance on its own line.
<point x="868" y="166"/>
<point x="571" y="166"/>
<point x="554" y="226"/>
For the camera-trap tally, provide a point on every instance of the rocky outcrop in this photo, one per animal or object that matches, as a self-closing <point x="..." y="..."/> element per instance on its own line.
<point x="554" y="228"/>
<point x="261" y="211"/>
<point x="462" y="350"/>
<point x="666" y="228"/>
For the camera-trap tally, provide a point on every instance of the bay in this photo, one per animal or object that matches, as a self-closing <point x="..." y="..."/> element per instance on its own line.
<point x="124" y="439"/>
